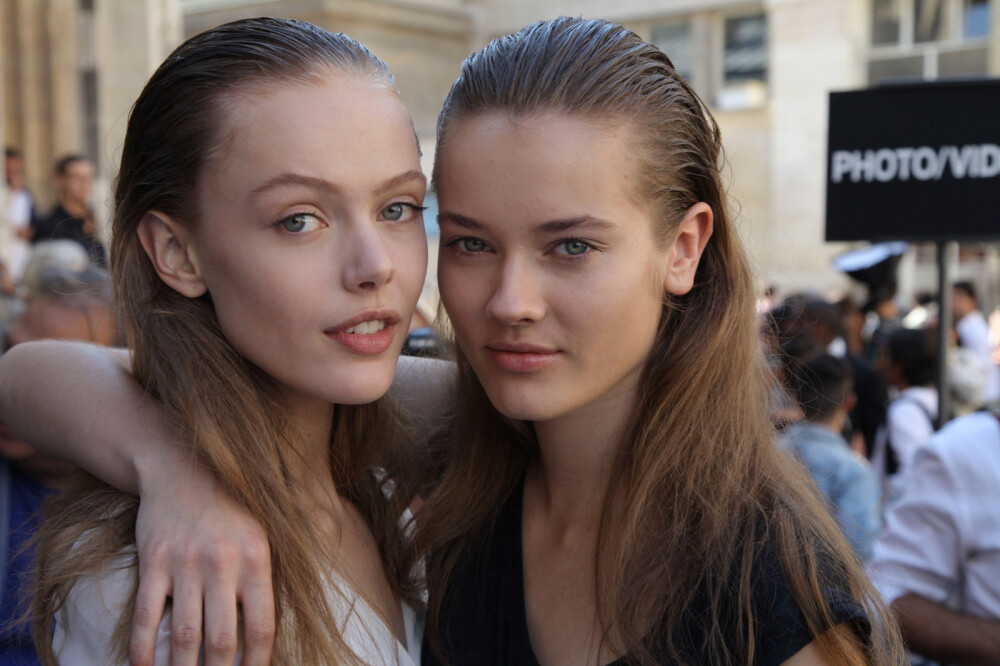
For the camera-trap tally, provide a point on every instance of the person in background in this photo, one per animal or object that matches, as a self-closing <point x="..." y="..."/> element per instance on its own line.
<point x="938" y="559"/>
<point x="853" y="321"/>
<point x="825" y="322"/>
<point x="924" y="313"/>
<point x="823" y="385"/>
<point x="19" y="216"/>
<point x="72" y="217"/>
<point x="67" y="306"/>
<point x="882" y="317"/>
<point x="911" y="367"/>
<point x="974" y="333"/>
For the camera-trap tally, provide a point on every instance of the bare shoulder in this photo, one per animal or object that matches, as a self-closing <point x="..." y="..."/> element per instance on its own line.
<point x="811" y="655"/>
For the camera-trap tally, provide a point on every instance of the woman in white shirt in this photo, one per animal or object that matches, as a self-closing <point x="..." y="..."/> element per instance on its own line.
<point x="267" y="253"/>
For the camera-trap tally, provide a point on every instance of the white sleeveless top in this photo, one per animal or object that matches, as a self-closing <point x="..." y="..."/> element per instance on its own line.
<point x="86" y="622"/>
<point x="84" y="625"/>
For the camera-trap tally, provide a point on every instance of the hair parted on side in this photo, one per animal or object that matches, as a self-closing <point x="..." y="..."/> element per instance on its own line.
<point x="215" y="398"/>
<point x="706" y="494"/>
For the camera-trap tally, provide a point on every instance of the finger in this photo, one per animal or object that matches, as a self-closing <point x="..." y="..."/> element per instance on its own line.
<point x="150" y="600"/>
<point x="258" y="620"/>
<point x="220" y="624"/>
<point x="185" y="625"/>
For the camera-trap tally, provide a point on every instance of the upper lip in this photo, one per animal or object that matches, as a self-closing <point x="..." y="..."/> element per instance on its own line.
<point x="520" y="348"/>
<point x="388" y="315"/>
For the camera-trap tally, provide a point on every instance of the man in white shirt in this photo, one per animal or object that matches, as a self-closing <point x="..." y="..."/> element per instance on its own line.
<point x="974" y="333"/>
<point x="911" y="367"/>
<point x="20" y="211"/>
<point x="938" y="560"/>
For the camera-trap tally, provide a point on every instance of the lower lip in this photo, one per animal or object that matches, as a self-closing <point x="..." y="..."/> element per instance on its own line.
<point x="366" y="344"/>
<point x="522" y="361"/>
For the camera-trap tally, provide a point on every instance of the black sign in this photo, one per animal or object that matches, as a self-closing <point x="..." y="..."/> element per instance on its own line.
<point x="916" y="162"/>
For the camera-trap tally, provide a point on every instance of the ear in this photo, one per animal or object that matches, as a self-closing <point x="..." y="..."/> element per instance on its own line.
<point x="685" y="251"/>
<point x="850" y="401"/>
<point x="167" y="243"/>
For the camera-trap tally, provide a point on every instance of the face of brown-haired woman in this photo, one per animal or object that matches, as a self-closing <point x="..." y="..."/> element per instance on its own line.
<point x="310" y="238"/>
<point x="549" y="267"/>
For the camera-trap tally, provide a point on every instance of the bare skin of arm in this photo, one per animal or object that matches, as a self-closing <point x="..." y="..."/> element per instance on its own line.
<point x="196" y="545"/>
<point x="810" y="655"/>
<point x="119" y="434"/>
<point x="945" y="635"/>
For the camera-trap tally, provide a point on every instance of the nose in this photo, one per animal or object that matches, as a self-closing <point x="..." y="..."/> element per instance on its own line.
<point x="369" y="264"/>
<point x="517" y="298"/>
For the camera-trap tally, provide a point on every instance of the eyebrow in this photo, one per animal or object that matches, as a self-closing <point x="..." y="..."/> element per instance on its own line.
<point x="588" y="222"/>
<point x="285" y="179"/>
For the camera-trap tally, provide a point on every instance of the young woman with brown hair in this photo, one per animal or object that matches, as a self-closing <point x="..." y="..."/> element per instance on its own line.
<point x="611" y="491"/>
<point x="263" y="158"/>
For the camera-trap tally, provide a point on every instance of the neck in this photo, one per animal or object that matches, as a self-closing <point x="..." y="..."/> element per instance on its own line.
<point x="834" y="424"/>
<point x="577" y="451"/>
<point x="74" y="207"/>
<point x="311" y="422"/>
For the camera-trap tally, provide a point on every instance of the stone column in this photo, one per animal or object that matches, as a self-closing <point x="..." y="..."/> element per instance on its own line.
<point x="130" y="40"/>
<point x="816" y="47"/>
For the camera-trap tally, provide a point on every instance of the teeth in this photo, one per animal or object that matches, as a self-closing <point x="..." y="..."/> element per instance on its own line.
<point x="366" y="327"/>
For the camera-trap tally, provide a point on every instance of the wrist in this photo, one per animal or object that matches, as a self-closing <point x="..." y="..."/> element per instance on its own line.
<point x="160" y="464"/>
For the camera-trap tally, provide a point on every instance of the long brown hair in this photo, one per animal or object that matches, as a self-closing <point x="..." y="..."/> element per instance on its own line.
<point x="225" y="406"/>
<point x="703" y="495"/>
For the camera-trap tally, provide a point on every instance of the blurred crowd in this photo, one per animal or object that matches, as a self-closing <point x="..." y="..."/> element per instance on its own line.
<point x="53" y="285"/>
<point x="916" y="492"/>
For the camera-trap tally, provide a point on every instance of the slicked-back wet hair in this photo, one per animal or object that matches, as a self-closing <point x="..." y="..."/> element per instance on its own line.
<point x="706" y="495"/>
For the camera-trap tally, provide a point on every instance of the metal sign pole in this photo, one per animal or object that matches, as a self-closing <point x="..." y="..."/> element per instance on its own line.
<point x="946" y="250"/>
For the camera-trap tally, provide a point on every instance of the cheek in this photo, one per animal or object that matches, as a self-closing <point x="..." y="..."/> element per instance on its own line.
<point x="459" y="296"/>
<point x="410" y="260"/>
<point x="250" y="299"/>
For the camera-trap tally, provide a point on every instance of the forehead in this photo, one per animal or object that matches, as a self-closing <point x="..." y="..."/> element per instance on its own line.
<point x="328" y="124"/>
<point x="79" y="168"/>
<point x="539" y="164"/>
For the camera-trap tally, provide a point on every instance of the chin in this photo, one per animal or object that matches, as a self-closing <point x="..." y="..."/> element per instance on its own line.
<point x="360" y="390"/>
<point x="521" y="405"/>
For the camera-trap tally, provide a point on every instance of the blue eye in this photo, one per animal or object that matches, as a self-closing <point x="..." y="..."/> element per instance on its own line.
<point x="471" y="245"/>
<point x="299" y="223"/>
<point x="573" y="247"/>
<point x="399" y="212"/>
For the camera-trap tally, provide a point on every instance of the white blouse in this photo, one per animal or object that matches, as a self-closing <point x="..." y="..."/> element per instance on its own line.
<point x="84" y="625"/>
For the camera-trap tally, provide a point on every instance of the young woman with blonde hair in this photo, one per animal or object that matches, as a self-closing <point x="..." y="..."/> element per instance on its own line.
<point x="263" y="158"/>
<point x="611" y="491"/>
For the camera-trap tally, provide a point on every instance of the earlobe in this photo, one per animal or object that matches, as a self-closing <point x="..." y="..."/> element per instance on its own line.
<point x="167" y="245"/>
<point x="687" y="247"/>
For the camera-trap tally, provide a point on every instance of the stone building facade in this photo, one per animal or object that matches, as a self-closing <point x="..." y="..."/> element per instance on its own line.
<point x="764" y="66"/>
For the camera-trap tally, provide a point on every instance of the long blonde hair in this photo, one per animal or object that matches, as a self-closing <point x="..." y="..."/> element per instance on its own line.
<point x="707" y="496"/>
<point x="221" y="403"/>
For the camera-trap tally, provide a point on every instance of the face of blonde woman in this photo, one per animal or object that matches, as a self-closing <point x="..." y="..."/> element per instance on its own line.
<point x="548" y="267"/>
<point x="310" y="238"/>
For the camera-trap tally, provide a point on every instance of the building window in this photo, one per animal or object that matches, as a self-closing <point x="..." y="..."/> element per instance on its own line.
<point x="976" y="19"/>
<point x="929" y="21"/>
<point x="723" y="56"/>
<point x="91" y="131"/>
<point x="928" y="39"/>
<point x="885" y="21"/>
<point x="674" y="39"/>
<point x="903" y="23"/>
<point x="745" y="49"/>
